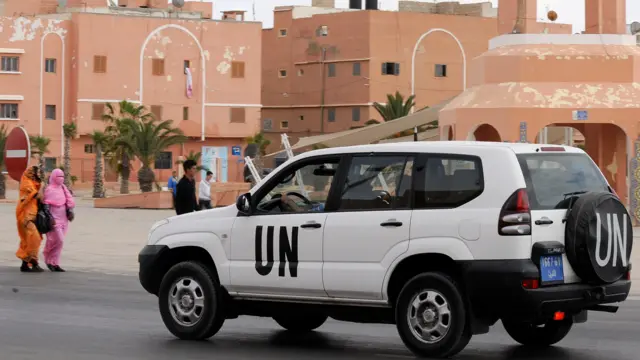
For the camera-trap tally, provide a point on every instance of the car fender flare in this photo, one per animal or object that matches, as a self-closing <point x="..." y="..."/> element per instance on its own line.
<point x="454" y="248"/>
<point x="210" y="242"/>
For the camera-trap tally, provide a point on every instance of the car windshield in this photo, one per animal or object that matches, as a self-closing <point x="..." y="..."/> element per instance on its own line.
<point x="553" y="178"/>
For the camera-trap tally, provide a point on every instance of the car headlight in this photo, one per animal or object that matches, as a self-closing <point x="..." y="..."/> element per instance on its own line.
<point x="155" y="226"/>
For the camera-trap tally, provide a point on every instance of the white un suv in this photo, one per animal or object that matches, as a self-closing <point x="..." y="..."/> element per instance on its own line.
<point x="442" y="239"/>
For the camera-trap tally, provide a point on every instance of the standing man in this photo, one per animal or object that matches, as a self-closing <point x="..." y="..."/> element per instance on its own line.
<point x="173" y="181"/>
<point x="186" y="190"/>
<point x="204" y="195"/>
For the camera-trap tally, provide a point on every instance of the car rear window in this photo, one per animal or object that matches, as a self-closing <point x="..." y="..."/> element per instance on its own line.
<point x="552" y="178"/>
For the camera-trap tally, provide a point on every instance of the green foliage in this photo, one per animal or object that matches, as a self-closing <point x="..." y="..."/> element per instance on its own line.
<point x="396" y="107"/>
<point x="195" y="156"/>
<point x="261" y="141"/>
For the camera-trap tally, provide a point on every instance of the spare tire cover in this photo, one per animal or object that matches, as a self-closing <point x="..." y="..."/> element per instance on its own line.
<point x="599" y="238"/>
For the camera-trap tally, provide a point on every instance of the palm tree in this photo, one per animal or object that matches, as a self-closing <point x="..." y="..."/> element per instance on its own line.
<point x="261" y="142"/>
<point x="40" y="147"/>
<point x="146" y="139"/>
<point x="100" y="140"/>
<point x="70" y="130"/>
<point x="3" y="180"/>
<point x="195" y="156"/>
<point x="121" y="157"/>
<point x="396" y="107"/>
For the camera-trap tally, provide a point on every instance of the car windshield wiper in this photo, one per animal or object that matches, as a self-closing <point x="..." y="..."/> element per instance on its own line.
<point x="575" y="193"/>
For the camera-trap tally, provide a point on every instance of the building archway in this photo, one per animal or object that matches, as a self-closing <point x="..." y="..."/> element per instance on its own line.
<point x="484" y="132"/>
<point x="415" y="52"/>
<point x="202" y="60"/>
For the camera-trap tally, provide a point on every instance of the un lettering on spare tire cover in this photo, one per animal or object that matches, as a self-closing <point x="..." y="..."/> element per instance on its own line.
<point x="599" y="238"/>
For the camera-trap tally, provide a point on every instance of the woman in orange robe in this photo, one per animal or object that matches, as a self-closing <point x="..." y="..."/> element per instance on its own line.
<point x="26" y="210"/>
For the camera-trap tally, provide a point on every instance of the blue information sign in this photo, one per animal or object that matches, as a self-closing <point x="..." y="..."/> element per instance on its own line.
<point x="236" y="150"/>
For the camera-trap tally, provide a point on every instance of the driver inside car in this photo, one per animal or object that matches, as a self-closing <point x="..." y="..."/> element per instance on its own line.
<point x="291" y="205"/>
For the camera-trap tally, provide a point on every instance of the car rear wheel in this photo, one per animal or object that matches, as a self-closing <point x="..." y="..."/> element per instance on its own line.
<point x="543" y="335"/>
<point x="191" y="302"/>
<point x="301" y="322"/>
<point x="431" y="316"/>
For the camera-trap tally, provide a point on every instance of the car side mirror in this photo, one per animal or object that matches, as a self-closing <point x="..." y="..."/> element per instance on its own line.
<point x="243" y="203"/>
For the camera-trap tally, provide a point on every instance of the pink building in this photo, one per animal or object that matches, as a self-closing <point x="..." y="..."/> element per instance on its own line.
<point x="64" y="63"/>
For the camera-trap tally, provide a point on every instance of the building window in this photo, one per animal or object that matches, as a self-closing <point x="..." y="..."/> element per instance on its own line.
<point x="390" y="68"/>
<point x="185" y="113"/>
<point x="50" y="65"/>
<point x="282" y="32"/>
<point x="332" y="70"/>
<point x="284" y="124"/>
<point x="300" y="72"/>
<point x="282" y="73"/>
<point x="237" y="115"/>
<point x="97" y="110"/>
<point x="355" y="114"/>
<point x="301" y="117"/>
<point x="187" y="65"/>
<point x="157" y="67"/>
<point x="100" y="64"/>
<point x="88" y="149"/>
<point x="356" y="69"/>
<point x="237" y="69"/>
<point x="331" y="115"/>
<point x="441" y="70"/>
<point x="156" y="110"/>
<point x="163" y="161"/>
<point x="8" y="111"/>
<point x="322" y="30"/>
<point x="267" y="124"/>
<point x="49" y="164"/>
<point x="10" y="64"/>
<point x="50" y="112"/>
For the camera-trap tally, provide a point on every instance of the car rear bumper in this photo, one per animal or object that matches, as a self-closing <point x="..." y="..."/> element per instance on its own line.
<point x="495" y="290"/>
<point x="148" y="260"/>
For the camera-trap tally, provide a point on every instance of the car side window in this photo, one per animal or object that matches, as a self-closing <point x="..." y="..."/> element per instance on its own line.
<point x="303" y="188"/>
<point x="377" y="183"/>
<point x="449" y="181"/>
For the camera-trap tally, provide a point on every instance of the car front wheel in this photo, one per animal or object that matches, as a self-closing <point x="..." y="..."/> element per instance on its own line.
<point x="191" y="301"/>
<point x="543" y="335"/>
<point x="431" y="316"/>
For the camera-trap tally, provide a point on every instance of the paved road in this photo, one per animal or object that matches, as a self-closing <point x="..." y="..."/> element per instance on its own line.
<point x="106" y="317"/>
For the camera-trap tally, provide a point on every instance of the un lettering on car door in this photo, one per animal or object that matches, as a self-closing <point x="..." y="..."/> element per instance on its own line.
<point x="287" y="250"/>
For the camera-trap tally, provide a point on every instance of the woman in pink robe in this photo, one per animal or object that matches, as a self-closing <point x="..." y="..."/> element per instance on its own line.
<point x="60" y="201"/>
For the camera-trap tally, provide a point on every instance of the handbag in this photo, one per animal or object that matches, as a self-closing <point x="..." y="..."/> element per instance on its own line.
<point x="44" y="219"/>
<point x="70" y="214"/>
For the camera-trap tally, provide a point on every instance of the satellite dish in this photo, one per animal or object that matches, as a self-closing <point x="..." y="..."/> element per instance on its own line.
<point x="635" y="27"/>
<point x="62" y="3"/>
<point x="178" y="3"/>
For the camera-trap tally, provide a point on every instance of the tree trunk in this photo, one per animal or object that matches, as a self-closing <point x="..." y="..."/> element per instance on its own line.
<point x="146" y="178"/>
<point x="125" y="172"/>
<point x="67" y="162"/>
<point x="3" y="186"/>
<point x="41" y="172"/>
<point x="98" y="183"/>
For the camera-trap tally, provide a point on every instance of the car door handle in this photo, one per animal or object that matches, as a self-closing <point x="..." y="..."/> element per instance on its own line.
<point x="311" y="225"/>
<point x="391" y="223"/>
<point x="544" y="221"/>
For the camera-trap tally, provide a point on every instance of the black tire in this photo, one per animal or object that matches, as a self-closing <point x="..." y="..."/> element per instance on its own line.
<point x="212" y="316"/>
<point x="538" y="336"/>
<point x="458" y="335"/>
<point x="301" y="322"/>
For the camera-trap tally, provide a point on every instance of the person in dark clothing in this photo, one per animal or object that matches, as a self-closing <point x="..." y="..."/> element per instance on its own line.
<point x="186" y="201"/>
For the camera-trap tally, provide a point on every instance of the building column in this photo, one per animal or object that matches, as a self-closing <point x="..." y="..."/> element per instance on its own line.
<point x="607" y="145"/>
<point x="510" y="11"/>
<point x="605" y="16"/>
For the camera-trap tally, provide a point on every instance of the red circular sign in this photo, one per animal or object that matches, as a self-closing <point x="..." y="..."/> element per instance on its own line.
<point x="17" y="152"/>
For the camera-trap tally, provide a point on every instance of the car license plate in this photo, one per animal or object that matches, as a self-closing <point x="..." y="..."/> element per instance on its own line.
<point x="551" y="269"/>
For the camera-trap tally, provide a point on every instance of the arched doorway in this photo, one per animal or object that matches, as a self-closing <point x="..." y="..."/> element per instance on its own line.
<point x="485" y="132"/>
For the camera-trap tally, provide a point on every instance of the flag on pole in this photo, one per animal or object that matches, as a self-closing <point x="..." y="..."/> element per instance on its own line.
<point x="189" y="83"/>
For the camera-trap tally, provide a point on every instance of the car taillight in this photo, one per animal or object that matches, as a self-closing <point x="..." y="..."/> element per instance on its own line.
<point x="515" y="216"/>
<point x="627" y="276"/>
<point x="530" y="284"/>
